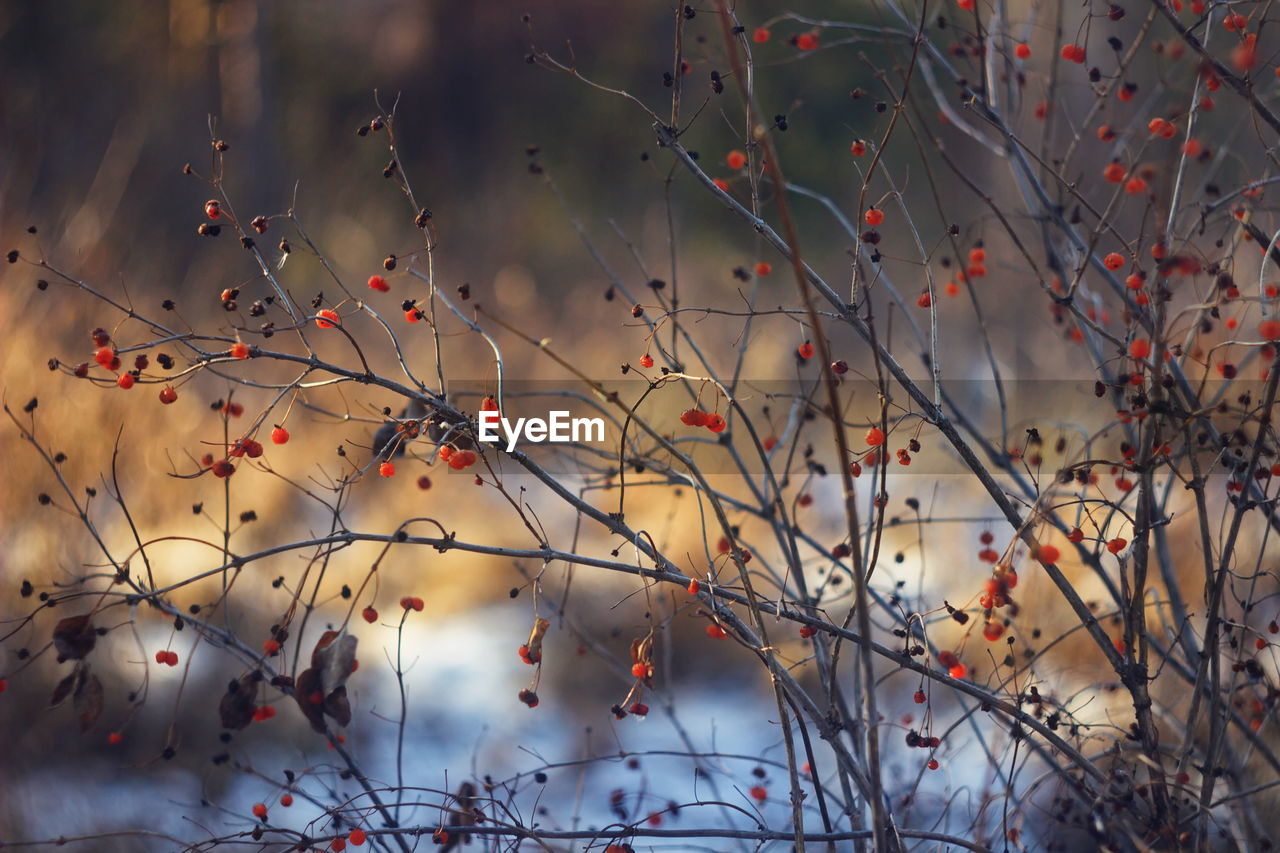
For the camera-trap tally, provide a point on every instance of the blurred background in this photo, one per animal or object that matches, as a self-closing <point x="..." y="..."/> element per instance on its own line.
<point x="101" y="107"/>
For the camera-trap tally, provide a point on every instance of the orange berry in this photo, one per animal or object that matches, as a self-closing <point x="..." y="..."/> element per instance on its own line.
<point x="1135" y="281"/>
<point x="1135" y="186"/>
<point x="1114" y="173"/>
<point x="763" y="268"/>
<point x="125" y="381"/>
<point x="639" y="670"/>
<point x="279" y="435"/>
<point x="328" y="318"/>
<point x="1113" y="261"/>
<point x="1269" y="329"/>
<point x="806" y="41"/>
<point x="1140" y="348"/>
<point x="387" y="469"/>
<point x="875" y="436"/>
<point x="805" y="350"/>
<point x="239" y="350"/>
<point x="260" y="811"/>
<point x="874" y="216"/>
<point x="694" y="587"/>
<point x="759" y="793"/>
<point x="760" y="36"/>
<point x="736" y="160"/>
<point x="271" y="646"/>
<point x="1048" y="554"/>
<point x="378" y="283"/>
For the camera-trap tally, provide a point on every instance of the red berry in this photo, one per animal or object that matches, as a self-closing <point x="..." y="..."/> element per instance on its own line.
<point x="1115" y="546"/>
<point x="1047" y="554"/>
<point x="806" y="41"/>
<point x="716" y="423"/>
<point x="168" y="395"/>
<point x="933" y="764"/>
<point x="115" y="738"/>
<point x="171" y="658"/>
<point x="763" y="268"/>
<point x="212" y="208"/>
<point x="239" y="350"/>
<point x="1076" y="535"/>
<point x="378" y="283"/>
<point x="759" y="794"/>
<point x="694" y="587"/>
<point x="328" y="318"/>
<point x="161" y="656"/>
<point x="805" y="350"/>
<point x="125" y="381"/>
<point x="858" y="148"/>
<point x="1022" y="51"/>
<point x="223" y="469"/>
<point x="993" y="631"/>
<point x="356" y="837"/>
<point x="279" y="435"/>
<point x="387" y="469"/>
<point x="760" y="36"/>
<point x="1269" y="329"/>
<point x="920" y="698"/>
<point x="874" y="216"/>
<point x="875" y="437"/>
<point x="735" y="160"/>
<point x="716" y="632"/>
<point x="260" y="811"/>
<point x="640" y="670"/>
<point x="1113" y="261"/>
<point x="271" y="646"/>
<point x="1140" y="348"/>
<point x="806" y="631"/>
<point x="646" y="360"/>
<point x="370" y="615"/>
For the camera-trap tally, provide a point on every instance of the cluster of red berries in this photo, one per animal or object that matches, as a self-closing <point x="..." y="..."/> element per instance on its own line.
<point x="713" y="421"/>
<point x="458" y="459"/>
<point x="530" y="656"/>
<point x="169" y="658"/>
<point x="408" y="602"/>
<point x="951" y="661"/>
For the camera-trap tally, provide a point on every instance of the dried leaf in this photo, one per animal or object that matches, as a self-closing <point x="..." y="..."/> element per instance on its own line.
<point x="334" y="657"/>
<point x="337" y="706"/>
<point x="74" y="637"/>
<point x="88" y="701"/>
<point x="64" y="688"/>
<point x="539" y="631"/>
<point x="239" y="703"/>
<point x="310" y="698"/>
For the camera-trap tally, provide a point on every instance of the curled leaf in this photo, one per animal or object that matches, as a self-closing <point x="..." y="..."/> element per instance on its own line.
<point x="74" y="637"/>
<point x="534" y="649"/>
<point x="310" y="698"/>
<point x="64" y="688"/>
<point x="88" y="701"/>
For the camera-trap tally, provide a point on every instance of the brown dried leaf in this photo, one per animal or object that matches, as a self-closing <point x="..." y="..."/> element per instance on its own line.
<point x="334" y="657"/>
<point x="88" y="701"/>
<point x="239" y="702"/>
<point x="536" y="636"/>
<point x="74" y="637"/>
<point x="64" y="688"/>
<point x="310" y="698"/>
<point x="337" y="706"/>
